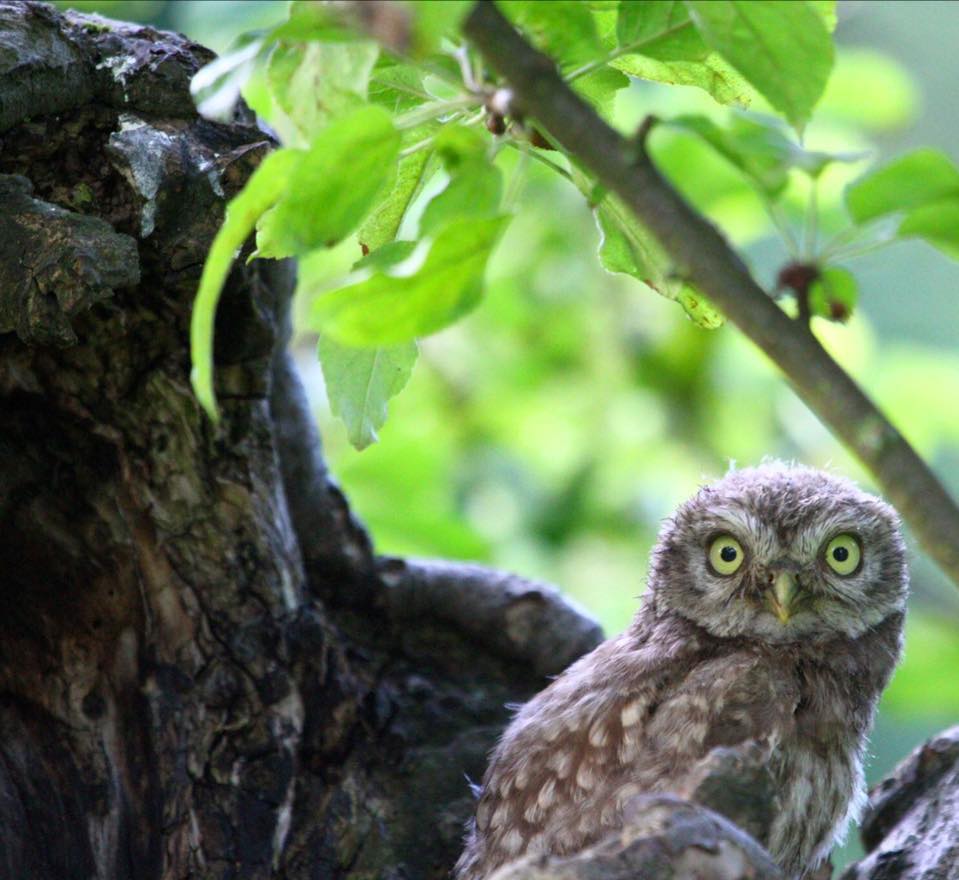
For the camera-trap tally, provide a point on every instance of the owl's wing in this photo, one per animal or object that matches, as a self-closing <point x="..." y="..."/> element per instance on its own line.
<point x="561" y="748"/>
<point x="733" y="699"/>
<point x="625" y="719"/>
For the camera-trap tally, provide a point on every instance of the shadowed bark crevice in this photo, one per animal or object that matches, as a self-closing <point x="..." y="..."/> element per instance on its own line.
<point x="55" y="264"/>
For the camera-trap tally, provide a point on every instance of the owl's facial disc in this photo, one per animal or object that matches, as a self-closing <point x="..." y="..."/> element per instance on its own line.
<point x="781" y="554"/>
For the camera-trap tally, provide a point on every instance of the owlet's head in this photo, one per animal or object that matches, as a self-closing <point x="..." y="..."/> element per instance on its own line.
<point x="781" y="553"/>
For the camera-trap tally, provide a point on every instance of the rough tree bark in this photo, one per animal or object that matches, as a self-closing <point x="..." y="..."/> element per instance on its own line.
<point x="911" y="826"/>
<point x="205" y="670"/>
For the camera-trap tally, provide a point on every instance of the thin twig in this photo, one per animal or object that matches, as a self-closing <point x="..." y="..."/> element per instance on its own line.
<point x="701" y="253"/>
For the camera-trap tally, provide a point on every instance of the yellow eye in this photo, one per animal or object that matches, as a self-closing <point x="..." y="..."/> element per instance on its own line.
<point x="725" y="555"/>
<point x="843" y="554"/>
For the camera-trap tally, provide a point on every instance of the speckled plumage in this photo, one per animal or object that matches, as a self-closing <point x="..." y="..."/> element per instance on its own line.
<point x="705" y="664"/>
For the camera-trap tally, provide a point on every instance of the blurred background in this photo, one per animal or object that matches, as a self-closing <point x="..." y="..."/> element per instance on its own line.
<point x="551" y="431"/>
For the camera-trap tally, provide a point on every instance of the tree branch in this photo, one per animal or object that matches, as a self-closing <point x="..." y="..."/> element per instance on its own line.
<point x="911" y="824"/>
<point x="523" y="620"/>
<point x="704" y="257"/>
<point x="662" y="837"/>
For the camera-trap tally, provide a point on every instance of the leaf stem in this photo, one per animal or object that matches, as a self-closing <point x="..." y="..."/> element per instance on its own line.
<point x="415" y="148"/>
<point x="419" y="145"/>
<point x="625" y="50"/>
<point x="461" y="54"/>
<point x="781" y="222"/>
<point x="845" y="235"/>
<point x="433" y="110"/>
<point x="851" y="238"/>
<point x="516" y="178"/>
<point x="867" y="247"/>
<point x="545" y="161"/>
<point x="811" y="232"/>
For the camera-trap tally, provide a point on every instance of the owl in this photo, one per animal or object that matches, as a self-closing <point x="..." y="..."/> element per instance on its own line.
<point x="772" y="620"/>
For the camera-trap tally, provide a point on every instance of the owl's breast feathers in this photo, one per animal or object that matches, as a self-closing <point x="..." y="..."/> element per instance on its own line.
<point x="637" y="714"/>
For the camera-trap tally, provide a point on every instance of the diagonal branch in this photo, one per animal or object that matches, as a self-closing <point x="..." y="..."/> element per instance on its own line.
<point x="704" y="257"/>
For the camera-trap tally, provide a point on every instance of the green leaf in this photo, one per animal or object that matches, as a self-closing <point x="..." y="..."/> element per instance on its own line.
<point x="361" y="381"/>
<point x="386" y="255"/>
<point x="385" y="310"/>
<point x="783" y="49"/>
<point x="710" y="73"/>
<point x="909" y="182"/>
<point x="563" y="29"/>
<point x="626" y="247"/>
<point x="457" y="144"/>
<point x="600" y="87"/>
<point x="759" y="149"/>
<point x="264" y="187"/>
<point x="315" y="83"/>
<point x="833" y="294"/>
<point x="433" y="21"/>
<point x="474" y="191"/>
<point x="937" y="223"/>
<point x="713" y="75"/>
<point x="442" y="76"/>
<point x="397" y="86"/>
<point x="309" y="20"/>
<point x="697" y="307"/>
<point x="258" y="95"/>
<point x="759" y="152"/>
<point x="333" y="186"/>
<point x="660" y="29"/>
<point x="382" y="225"/>
<point x="216" y="86"/>
<point x="623" y="250"/>
<point x="826" y="10"/>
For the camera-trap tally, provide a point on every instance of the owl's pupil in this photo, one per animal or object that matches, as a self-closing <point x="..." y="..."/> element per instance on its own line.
<point x="727" y="554"/>
<point x="840" y="554"/>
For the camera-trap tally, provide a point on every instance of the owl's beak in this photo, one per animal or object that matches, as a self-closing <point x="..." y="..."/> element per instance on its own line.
<point x="782" y="597"/>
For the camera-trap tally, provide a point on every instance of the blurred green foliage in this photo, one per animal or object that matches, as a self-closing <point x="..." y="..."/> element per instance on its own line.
<point x="553" y="429"/>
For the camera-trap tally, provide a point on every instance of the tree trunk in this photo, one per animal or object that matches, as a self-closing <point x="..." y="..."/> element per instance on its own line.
<point x="205" y="671"/>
